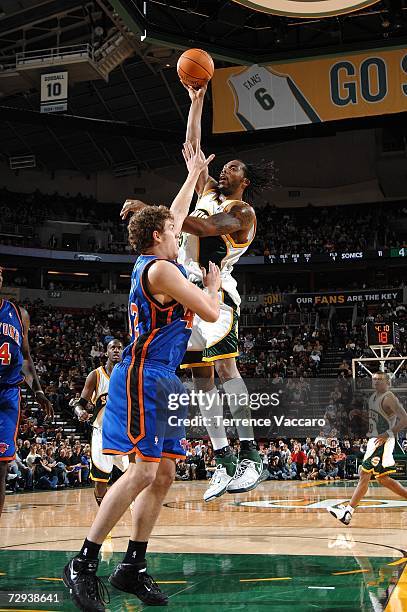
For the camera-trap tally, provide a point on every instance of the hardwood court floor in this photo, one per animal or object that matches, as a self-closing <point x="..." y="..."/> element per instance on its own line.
<point x="275" y="548"/>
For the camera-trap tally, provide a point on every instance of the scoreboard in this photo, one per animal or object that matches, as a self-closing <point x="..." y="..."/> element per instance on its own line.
<point x="382" y="334"/>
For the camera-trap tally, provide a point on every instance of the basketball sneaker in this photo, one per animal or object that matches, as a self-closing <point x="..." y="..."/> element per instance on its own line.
<point x="128" y="578"/>
<point x="225" y="470"/>
<point x="342" y="513"/>
<point x="249" y="472"/>
<point x="86" y="588"/>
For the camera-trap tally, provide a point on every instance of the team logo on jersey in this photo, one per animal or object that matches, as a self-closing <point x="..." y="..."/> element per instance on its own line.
<point x="306" y="8"/>
<point x="375" y="461"/>
<point x="3" y="447"/>
<point x="156" y="440"/>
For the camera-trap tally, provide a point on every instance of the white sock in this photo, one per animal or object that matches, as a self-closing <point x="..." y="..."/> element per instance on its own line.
<point x="350" y="509"/>
<point x="238" y="400"/>
<point x="212" y="410"/>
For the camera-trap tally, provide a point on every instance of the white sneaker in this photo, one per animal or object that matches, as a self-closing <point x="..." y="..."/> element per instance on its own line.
<point x="341" y="513"/>
<point x="218" y="485"/>
<point x="248" y="475"/>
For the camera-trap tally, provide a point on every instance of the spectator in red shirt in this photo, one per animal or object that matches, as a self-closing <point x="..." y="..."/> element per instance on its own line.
<point x="298" y="457"/>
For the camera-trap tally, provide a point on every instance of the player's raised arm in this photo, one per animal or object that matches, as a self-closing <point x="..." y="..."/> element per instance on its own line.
<point x="165" y="278"/>
<point x="194" y="130"/>
<point x="28" y="369"/>
<point x="196" y="162"/>
<point x="241" y="216"/>
<point x="87" y="392"/>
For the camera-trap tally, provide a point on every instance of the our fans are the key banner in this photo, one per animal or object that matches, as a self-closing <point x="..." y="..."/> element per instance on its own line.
<point x="311" y="90"/>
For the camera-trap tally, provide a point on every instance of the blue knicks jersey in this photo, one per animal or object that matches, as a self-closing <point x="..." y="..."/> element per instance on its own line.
<point x="159" y="334"/>
<point x="11" y="339"/>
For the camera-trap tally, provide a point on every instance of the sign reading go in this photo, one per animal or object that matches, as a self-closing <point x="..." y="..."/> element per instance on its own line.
<point x="306" y="8"/>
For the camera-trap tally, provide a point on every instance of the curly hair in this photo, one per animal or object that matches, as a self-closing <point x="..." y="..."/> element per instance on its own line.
<point x="262" y="176"/>
<point x="142" y="225"/>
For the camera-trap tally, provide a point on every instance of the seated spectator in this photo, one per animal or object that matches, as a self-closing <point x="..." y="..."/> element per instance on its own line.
<point x="310" y="470"/>
<point x="329" y="471"/>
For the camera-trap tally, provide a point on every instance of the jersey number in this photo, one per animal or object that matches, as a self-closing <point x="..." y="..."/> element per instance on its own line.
<point x="188" y="318"/>
<point x="134" y="312"/>
<point x="5" y="355"/>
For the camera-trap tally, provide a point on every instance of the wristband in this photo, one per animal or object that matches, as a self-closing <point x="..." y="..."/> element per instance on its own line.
<point x="82" y="402"/>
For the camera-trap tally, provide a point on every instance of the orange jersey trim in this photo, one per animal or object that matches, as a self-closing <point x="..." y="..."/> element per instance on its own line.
<point x="172" y="456"/>
<point x="140" y="389"/>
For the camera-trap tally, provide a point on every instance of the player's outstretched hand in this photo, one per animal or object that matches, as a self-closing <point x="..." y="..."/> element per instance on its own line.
<point x="45" y="405"/>
<point x="196" y="95"/>
<point x="195" y="158"/>
<point x="131" y="206"/>
<point x="211" y="279"/>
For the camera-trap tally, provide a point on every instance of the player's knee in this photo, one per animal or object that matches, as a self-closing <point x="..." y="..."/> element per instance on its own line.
<point x="164" y="480"/>
<point x="100" y="488"/>
<point x="226" y="369"/>
<point x="141" y="475"/>
<point x="204" y="378"/>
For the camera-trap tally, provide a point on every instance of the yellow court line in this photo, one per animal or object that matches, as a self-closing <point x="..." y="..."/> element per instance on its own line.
<point x="399" y="561"/>
<point x="3" y="574"/>
<point x="359" y="571"/>
<point x="55" y="579"/>
<point x="398" y="598"/>
<point x="262" y="579"/>
<point x="304" y="485"/>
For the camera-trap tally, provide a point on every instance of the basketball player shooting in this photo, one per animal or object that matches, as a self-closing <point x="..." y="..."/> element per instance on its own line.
<point x="221" y="228"/>
<point x="387" y="416"/>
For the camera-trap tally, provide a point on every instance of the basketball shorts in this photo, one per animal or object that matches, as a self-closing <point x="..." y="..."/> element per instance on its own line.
<point x="212" y="341"/>
<point x="102" y="465"/>
<point x="145" y="412"/>
<point x="9" y="417"/>
<point x="379" y="461"/>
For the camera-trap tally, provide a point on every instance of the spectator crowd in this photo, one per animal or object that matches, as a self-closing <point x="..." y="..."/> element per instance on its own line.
<point x="301" y="230"/>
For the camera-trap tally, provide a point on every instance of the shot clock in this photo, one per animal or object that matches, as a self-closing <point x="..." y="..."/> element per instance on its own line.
<point x="382" y="334"/>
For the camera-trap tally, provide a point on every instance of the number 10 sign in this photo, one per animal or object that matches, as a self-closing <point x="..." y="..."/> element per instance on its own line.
<point x="54" y="92"/>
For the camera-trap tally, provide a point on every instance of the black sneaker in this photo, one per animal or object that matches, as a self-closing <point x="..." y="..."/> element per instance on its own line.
<point x="128" y="578"/>
<point x="87" y="590"/>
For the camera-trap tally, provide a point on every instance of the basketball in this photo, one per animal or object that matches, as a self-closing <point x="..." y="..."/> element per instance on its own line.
<point x="195" y="68"/>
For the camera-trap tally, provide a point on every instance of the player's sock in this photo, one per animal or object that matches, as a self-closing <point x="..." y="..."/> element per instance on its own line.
<point x="227" y="459"/>
<point x="212" y="410"/>
<point x="238" y="400"/>
<point x="136" y="554"/>
<point x="248" y="450"/>
<point x="89" y="551"/>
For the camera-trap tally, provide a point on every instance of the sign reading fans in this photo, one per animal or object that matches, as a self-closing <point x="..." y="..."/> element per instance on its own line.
<point x="311" y="90"/>
<point x="342" y="298"/>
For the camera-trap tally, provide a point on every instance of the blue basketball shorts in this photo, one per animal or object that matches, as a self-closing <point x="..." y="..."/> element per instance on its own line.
<point x="144" y="412"/>
<point x="9" y="418"/>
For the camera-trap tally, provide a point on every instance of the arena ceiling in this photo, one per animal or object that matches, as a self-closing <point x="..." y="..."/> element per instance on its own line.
<point x="136" y="119"/>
